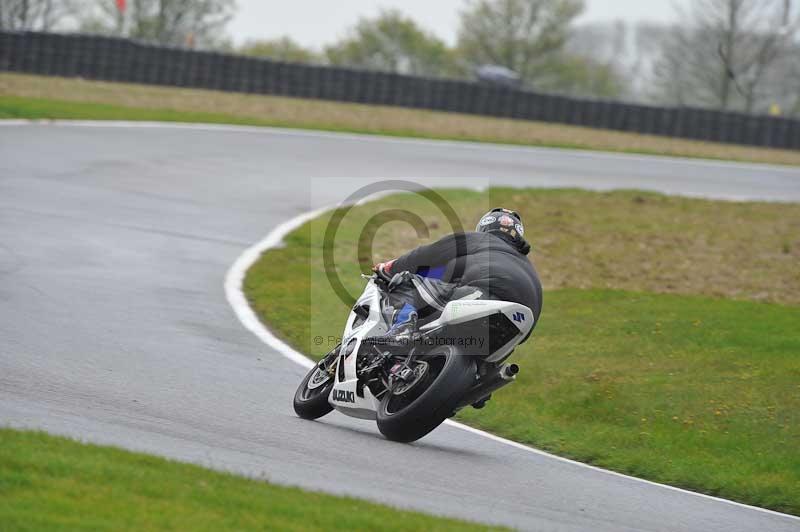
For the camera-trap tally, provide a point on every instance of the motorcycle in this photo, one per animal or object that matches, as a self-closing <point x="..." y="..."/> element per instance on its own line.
<point x="412" y="382"/>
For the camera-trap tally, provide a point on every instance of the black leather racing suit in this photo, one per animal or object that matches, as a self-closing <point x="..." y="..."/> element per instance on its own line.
<point x="488" y="262"/>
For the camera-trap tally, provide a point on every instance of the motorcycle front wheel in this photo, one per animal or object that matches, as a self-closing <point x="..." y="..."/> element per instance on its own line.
<point x="406" y="415"/>
<point x="311" y="397"/>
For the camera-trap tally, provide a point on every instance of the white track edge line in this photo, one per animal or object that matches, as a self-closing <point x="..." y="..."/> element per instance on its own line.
<point x="366" y="137"/>
<point x="238" y="301"/>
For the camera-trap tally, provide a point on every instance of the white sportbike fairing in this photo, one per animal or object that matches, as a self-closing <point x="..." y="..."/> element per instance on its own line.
<point x="411" y="383"/>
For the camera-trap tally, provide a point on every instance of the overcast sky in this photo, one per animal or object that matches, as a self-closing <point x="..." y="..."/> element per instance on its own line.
<point x="317" y="22"/>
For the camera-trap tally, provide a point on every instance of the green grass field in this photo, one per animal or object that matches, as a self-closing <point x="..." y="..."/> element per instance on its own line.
<point x="38" y="97"/>
<point x="51" y="483"/>
<point x="669" y="344"/>
<point x="12" y="107"/>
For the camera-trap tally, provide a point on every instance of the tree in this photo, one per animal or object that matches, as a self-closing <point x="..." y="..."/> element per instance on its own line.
<point x="582" y="76"/>
<point x="791" y="82"/>
<point x="723" y="53"/>
<point x="281" y="49"/>
<point x="602" y="59"/>
<point x="39" y="15"/>
<point x="168" y="22"/>
<point x="781" y="86"/>
<point x="523" y="35"/>
<point x="394" y="43"/>
<point x="645" y="49"/>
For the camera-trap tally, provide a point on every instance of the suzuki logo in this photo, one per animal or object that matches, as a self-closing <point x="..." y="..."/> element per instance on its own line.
<point x="519" y="317"/>
<point x="344" y="396"/>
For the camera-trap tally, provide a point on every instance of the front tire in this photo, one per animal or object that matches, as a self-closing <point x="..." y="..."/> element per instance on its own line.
<point x="312" y="403"/>
<point x="452" y="375"/>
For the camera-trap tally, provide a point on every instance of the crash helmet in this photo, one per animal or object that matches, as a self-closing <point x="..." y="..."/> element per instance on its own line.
<point x="507" y="224"/>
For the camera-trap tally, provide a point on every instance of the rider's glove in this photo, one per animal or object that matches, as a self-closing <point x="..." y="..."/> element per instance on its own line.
<point x="384" y="269"/>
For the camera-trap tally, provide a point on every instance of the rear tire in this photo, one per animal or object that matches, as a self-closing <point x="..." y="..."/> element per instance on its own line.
<point x="313" y="403"/>
<point x="434" y="405"/>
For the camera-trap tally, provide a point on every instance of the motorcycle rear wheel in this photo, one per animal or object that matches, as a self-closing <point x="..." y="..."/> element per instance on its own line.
<point x="429" y="403"/>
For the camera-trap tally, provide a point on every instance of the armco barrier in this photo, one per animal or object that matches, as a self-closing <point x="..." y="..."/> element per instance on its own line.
<point x="112" y="59"/>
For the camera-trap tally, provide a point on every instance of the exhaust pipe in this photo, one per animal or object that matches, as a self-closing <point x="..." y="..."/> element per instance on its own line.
<point x="490" y="384"/>
<point x="509" y="371"/>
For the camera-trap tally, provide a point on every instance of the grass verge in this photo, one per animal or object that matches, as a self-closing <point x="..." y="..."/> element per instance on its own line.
<point x="682" y="378"/>
<point x="23" y="96"/>
<point x="52" y="483"/>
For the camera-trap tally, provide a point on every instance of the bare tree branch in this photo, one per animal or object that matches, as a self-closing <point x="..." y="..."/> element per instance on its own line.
<point x="168" y="22"/>
<point x="724" y="53"/>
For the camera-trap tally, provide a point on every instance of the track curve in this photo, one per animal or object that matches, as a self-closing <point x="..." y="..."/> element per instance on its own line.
<point x="114" y="241"/>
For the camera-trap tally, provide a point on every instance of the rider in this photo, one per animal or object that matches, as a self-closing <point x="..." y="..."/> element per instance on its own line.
<point x="489" y="263"/>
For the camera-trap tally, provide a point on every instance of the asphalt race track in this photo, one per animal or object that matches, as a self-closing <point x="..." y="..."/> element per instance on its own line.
<point x="114" y="326"/>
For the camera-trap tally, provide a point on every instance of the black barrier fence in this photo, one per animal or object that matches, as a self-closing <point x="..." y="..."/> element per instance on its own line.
<point x="114" y="59"/>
